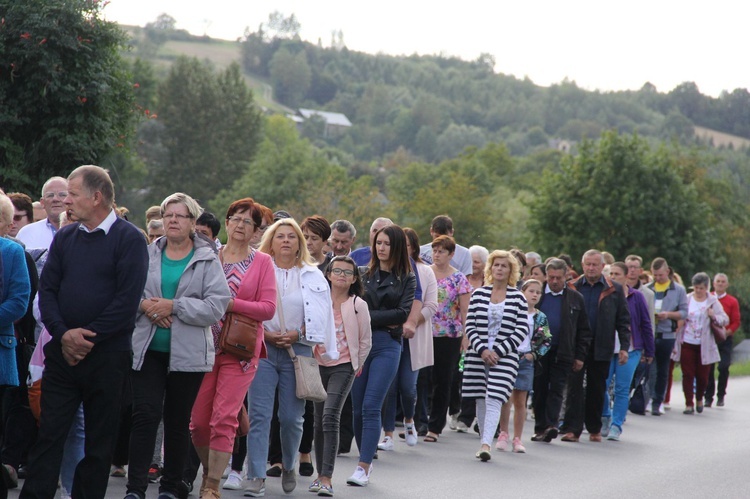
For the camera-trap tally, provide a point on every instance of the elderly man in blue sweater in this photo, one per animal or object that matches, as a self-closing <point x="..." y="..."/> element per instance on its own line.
<point x="88" y="296"/>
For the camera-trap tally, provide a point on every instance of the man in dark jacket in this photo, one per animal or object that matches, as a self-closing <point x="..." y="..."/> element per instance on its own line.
<point x="571" y="336"/>
<point x="608" y="315"/>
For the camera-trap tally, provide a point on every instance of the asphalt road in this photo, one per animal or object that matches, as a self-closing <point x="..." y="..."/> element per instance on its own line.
<point x="704" y="455"/>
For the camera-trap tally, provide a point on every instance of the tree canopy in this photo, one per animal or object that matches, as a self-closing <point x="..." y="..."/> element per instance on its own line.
<point x="66" y="96"/>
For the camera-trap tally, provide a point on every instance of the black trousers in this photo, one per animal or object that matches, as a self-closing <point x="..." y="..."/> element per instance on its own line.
<point x="550" y="380"/>
<point x="725" y="350"/>
<point x="586" y="407"/>
<point x="97" y="382"/>
<point x="158" y="392"/>
<point x="19" y="426"/>
<point x="447" y="351"/>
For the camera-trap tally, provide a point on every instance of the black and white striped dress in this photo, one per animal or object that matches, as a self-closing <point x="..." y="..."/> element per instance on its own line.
<point x="498" y="381"/>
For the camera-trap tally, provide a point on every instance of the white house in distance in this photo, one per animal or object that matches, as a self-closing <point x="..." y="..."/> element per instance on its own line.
<point x="336" y="123"/>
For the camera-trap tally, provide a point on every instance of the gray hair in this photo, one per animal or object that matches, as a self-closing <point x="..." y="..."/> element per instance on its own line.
<point x="344" y="226"/>
<point x="593" y="252"/>
<point x="533" y="255"/>
<point x="95" y="179"/>
<point x="155" y="224"/>
<point x="191" y="204"/>
<point x="52" y="179"/>
<point x="482" y="252"/>
<point x="6" y="209"/>
<point x="556" y="264"/>
<point x="701" y="278"/>
<point x="721" y="274"/>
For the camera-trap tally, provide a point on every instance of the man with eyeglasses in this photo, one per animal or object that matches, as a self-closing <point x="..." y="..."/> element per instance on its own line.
<point x="39" y="234"/>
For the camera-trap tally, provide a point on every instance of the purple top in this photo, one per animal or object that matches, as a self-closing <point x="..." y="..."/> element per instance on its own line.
<point x="640" y="323"/>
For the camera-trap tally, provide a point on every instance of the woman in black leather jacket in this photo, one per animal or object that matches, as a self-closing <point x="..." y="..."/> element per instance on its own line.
<point x="389" y="292"/>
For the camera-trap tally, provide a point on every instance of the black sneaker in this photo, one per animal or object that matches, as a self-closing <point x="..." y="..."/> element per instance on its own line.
<point x="154" y="473"/>
<point x="720" y="402"/>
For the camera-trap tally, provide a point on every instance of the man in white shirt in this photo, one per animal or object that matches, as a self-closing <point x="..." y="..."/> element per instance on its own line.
<point x="442" y="225"/>
<point x="39" y="234"/>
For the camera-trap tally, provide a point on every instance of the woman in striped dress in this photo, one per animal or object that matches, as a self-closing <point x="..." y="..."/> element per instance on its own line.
<point x="495" y="327"/>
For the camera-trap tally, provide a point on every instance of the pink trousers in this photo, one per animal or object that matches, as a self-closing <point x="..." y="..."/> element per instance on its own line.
<point x="213" y="422"/>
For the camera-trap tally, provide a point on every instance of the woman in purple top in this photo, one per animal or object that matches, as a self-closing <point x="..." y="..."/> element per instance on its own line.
<point x="642" y="350"/>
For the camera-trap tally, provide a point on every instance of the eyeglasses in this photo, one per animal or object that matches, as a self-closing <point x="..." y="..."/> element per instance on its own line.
<point x="51" y="195"/>
<point x="347" y="273"/>
<point x="18" y="218"/>
<point x="178" y="216"/>
<point x="248" y="222"/>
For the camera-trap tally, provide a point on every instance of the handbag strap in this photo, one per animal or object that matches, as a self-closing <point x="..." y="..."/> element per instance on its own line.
<point x="282" y="323"/>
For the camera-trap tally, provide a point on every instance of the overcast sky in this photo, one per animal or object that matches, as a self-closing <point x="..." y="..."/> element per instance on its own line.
<point x="606" y="45"/>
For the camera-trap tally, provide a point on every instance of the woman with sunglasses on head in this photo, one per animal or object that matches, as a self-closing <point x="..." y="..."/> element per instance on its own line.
<point x="390" y="286"/>
<point x="353" y="340"/>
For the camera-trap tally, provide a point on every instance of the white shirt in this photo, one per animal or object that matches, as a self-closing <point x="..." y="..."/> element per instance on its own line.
<point x="37" y="235"/>
<point x="495" y="312"/>
<point x="105" y="225"/>
<point x="547" y="290"/>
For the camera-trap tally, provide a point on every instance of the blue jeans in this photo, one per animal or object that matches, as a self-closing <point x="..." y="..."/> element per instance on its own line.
<point x="73" y="451"/>
<point x="405" y="384"/>
<point x="623" y="375"/>
<point x="276" y="370"/>
<point x="661" y="359"/>
<point x="369" y="391"/>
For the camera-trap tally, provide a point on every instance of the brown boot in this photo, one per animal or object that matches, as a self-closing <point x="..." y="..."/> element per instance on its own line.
<point x="217" y="461"/>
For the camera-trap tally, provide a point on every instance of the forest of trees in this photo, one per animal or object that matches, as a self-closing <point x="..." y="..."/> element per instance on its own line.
<point x="430" y="135"/>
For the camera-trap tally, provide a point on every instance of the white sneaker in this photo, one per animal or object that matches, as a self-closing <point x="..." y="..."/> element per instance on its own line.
<point x="227" y="471"/>
<point x="360" y="478"/>
<point x="661" y="409"/>
<point x="386" y="444"/>
<point x="453" y="423"/>
<point x="461" y="427"/>
<point x="411" y="434"/>
<point x="665" y="406"/>
<point x="648" y="406"/>
<point x="234" y="481"/>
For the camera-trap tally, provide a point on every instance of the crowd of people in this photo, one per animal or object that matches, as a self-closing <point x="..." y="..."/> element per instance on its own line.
<point x="112" y="360"/>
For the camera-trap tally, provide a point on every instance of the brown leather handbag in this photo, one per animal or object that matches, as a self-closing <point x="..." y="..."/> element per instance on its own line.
<point x="238" y="335"/>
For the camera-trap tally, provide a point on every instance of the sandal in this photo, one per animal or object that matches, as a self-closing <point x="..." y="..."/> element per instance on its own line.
<point x="431" y="438"/>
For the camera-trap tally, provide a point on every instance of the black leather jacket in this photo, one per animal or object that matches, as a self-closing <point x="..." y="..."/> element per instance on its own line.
<point x="389" y="300"/>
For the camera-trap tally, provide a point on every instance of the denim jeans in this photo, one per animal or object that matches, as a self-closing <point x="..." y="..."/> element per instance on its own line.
<point x="661" y="359"/>
<point x="337" y="381"/>
<point x="275" y="370"/>
<point x="370" y="389"/>
<point x="623" y="375"/>
<point x="404" y="384"/>
<point x="73" y="451"/>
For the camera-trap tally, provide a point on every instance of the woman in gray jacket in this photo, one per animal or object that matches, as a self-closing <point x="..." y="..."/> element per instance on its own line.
<point x="185" y="293"/>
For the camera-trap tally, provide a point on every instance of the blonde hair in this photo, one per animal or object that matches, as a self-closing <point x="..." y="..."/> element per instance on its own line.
<point x="515" y="267"/>
<point x="303" y="255"/>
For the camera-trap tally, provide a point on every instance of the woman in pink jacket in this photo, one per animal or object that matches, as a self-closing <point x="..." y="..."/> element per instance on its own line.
<point x="353" y="341"/>
<point x="252" y="283"/>
<point x="695" y="347"/>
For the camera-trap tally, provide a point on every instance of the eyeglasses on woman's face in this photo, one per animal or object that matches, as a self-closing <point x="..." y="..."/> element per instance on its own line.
<point x="178" y="216"/>
<point x="246" y="221"/>
<point x="345" y="272"/>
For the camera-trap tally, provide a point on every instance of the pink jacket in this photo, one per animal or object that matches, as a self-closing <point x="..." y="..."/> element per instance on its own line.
<point x="709" y="350"/>
<point x="356" y="318"/>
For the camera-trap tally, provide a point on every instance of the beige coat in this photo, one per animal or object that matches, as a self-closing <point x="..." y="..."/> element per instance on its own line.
<point x="356" y="318"/>
<point x="421" y="344"/>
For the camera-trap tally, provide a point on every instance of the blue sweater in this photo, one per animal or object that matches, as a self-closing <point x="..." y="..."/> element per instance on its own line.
<point x="94" y="281"/>
<point x="14" y="299"/>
